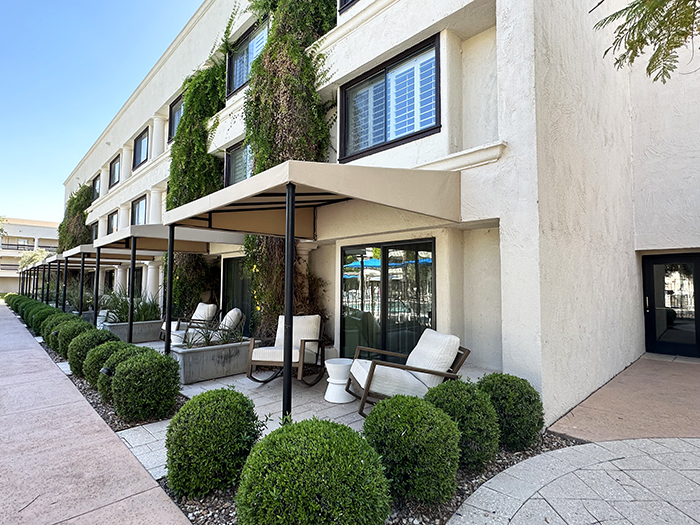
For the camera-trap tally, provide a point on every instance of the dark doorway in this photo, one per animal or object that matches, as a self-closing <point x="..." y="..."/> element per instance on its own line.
<point x="669" y="296"/>
<point x="237" y="292"/>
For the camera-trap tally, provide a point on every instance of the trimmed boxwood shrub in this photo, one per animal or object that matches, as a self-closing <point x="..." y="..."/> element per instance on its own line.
<point x="419" y="447"/>
<point x="519" y="409"/>
<point x="313" y="473"/>
<point x="208" y="441"/>
<point x="24" y="305"/>
<point x="104" y="381"/>
<point x="40" y="316"/>
<point x="51" y="322"/>
<point x="69" y="331"/>
<point x="82" y="344"/>
<point x="476" y="419"/>
<point x="10" y="299"/>
<point x="97" y="357"/>
<point x="30" y="311"/>
<point x="146" y="387"/>
<point x="52" y="339"/>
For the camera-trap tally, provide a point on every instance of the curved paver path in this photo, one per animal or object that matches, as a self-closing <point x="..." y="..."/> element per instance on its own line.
<point x="636" y="481"/>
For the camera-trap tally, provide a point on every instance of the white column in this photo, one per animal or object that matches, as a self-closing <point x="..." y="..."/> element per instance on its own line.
<point x="120" y="279"/>
<point x="103" y="274"/>
<point x="144" y="279"/>
<point x="153" y="281"/>
<point x="155" y="211"/>
<point x="123" y="218"/>
<point x="36" y="243"/>
<point x="101" y="225"/>
<point x="126" y="161"/>
<point x="161" y="283"/>
<point x="158" y="136"/>
<point x="104" y="181"/>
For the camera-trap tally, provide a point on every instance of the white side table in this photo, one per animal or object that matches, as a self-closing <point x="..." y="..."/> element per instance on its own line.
<point x="338" y="375"/>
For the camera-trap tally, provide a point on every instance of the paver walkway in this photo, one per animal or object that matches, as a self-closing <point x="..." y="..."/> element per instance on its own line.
<point x="59" y="462"/>
<point x="631" y="482"/>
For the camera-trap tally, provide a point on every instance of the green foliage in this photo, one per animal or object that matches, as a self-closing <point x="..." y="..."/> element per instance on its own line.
<point x="51" y="328"/>
<point x="82" y="344"/>
<point x="97" y="357"/>
<point x="117" y="303"/>
<point x="208" y="441"/>
<point x="519" y="409"/>
<point x="316" y="473"/>
<point x="307" y="20"/>
<point x="419" y="447"/>
<point x="475" y="416"/>
<point x="192" y="276"/>
<point x="73" y="292"/>
<point x="104" y="381"/>
<point x="146" y="387"/>
<point x="69" y="331"/>
<point x="662" y="25"/>
<point x="32" y="257"/>
<point x="40" y="316"/>
<point x="73" y="231"/>
<point x="10" y="297"/>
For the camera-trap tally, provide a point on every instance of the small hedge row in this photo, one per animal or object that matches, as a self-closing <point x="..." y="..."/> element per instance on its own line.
<point x="82" y="344"/>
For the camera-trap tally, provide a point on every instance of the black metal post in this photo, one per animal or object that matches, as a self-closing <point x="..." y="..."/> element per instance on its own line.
<point x="129" y="336"/>
<point x="36" y="283"/>
<point x="65" y="284"/>
<point x="48" y="282"/>
<point x="58" y="280"/>
<point x="21" y="282"/>
<point x="169" y="287"/>
<point x="82" y="277"/>
<point x="96" y="296"/>
<point x="43" y="281"/>
<point x="288" y="301"/>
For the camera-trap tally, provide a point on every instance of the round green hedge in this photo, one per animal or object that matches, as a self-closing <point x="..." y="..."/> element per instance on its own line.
<point x="208" y="441"/>
<point x="24" y="305"/>
<point x="69" y="331"/>
<point x="52" y="339"/>
<point x="146" y="387"/>
<point x="419" y="447"/>
<point x="476" y="419"/>
<point x="519" y="409"/>
<point x="40" y="316"/>
<point x="51" y="322"/>
<point x="104" y="381"/>
<point x="313" y="473"/>
<point x="82" y="344"/>
<point x="97" y="357"/>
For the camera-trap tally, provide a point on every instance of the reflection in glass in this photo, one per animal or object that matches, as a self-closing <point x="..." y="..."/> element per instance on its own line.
<point x="674" y="297"/>
<point x="361" y="299"/>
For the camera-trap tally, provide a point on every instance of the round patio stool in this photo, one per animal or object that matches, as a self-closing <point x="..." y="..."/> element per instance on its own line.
<point x="338" y="375"/>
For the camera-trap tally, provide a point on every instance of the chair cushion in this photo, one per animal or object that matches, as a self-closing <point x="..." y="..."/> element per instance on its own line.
<point x="204" y="312"/>
<point x="434" y="351"/>
<point x="387" y="381"/>
<point x="276" y="354"/>
<point x="231" y="320"/>
<point x="177" y="337"/>
<point x="303" y="327"/>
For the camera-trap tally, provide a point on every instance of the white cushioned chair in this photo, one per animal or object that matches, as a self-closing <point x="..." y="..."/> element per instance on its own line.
<point x="203" y="316"/>
<point x="197" y="334"/>
<point x="435" y="358"/>
<point x="307" y="349"/>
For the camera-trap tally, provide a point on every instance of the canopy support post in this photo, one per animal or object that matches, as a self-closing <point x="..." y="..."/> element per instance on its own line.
<point x="82" y="277"/>
<point x="129" y="338"/>
<point x="96" y="293"/>
<point x="288" y="301"/>
<point x="169" y="288"/>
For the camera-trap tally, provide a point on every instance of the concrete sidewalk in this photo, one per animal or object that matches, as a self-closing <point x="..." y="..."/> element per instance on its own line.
<point x="59" y="462"/>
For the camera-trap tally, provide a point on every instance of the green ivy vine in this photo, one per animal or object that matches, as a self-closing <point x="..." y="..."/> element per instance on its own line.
<point x="73" y="231"/>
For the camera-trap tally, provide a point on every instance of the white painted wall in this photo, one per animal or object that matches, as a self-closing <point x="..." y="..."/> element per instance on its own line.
<point x="479" y="90"/>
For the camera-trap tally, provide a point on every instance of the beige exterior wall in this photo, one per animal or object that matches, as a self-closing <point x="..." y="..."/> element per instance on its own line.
<point x="23" y="235"/>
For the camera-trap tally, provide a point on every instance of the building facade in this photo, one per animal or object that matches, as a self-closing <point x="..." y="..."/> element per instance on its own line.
<point x="23" y="235"/>
<point x="577" y="188"/>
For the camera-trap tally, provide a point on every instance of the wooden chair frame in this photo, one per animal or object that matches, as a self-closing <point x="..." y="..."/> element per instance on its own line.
<point x="299" y="365"/>
<point x="366" y="392"/>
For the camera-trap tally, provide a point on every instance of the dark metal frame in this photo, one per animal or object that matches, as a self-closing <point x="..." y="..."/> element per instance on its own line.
<point x="229" y="70"/>
<point x="109" y="216"/>
<point x="133" y="210"/>
<point x="344" y="5"/>
<point x="112" y="181"/>
<point x="171" y="131"/>
<point x="96" y="180"/>
<point x="137" y="143"/>
<point x="433" y="41"/>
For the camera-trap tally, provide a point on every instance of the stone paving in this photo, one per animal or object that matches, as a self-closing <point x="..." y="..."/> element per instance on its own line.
<point x="630" y="482"/>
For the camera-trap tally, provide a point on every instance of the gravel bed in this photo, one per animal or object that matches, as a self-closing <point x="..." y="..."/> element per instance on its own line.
<point x="218" y="507"/>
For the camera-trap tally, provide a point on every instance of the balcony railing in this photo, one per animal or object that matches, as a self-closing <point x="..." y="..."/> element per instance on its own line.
<point x="10" y="267"/>
<point x="26" y="247"/>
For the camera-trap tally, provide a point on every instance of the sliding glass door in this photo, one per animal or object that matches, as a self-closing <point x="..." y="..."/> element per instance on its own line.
<point x="387" y="295"/>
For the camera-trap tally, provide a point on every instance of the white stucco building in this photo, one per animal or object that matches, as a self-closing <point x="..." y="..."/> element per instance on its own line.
<point x="23" y="235"/>
<point x="571" y="199"/>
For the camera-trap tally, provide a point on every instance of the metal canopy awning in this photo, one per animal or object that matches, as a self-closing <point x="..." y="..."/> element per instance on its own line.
<point x="153" y="238"/>
<point x="257" y="205"/>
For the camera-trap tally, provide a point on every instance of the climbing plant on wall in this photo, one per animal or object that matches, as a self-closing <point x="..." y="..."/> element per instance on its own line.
<point x="73" y="231"/>
<point x="286" y="119"/>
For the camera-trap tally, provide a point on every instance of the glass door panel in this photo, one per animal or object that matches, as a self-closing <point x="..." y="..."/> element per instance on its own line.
<point x="237" y="292"/>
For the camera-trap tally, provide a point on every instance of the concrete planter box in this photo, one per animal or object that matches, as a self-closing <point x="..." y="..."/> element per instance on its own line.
<point x="209" y="362"/>
<point x="143" y="331"/>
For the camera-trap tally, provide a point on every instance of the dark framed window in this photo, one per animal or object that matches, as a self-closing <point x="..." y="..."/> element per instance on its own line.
<point x="96" y="188"/>
<point x="114" y="168"/>
<point x="138" y="211"/>
<point x="344" y="4"/>
<point x="112" y="222"/>
<point x="246" y="49"/>
<point x="393" y="104"/>
<point x="238" y="164"/>
<point x="93" y="231"/>
<point x="174" y="116"/>
<point x="141" y="149"/>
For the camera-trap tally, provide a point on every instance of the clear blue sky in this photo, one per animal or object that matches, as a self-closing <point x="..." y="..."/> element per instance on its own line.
<point x="66" y="68"/>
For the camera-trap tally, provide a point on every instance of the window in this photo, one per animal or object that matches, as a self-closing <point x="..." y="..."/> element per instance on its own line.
<point x="23" y="242"/>
<point x="239" y="165"/>
<point x="393" y="104"/>
<point x="176" y="109"/>
<point x="141" y="149"/>
<point x="112" y="222"/>
<point x="342" y="4"/>
<point x="96" y="188"/>
<point x="114" y="172"/>
<point x="93" y="231"/>
<point x="246" y="50"/>
<point x="138" y="211"/>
